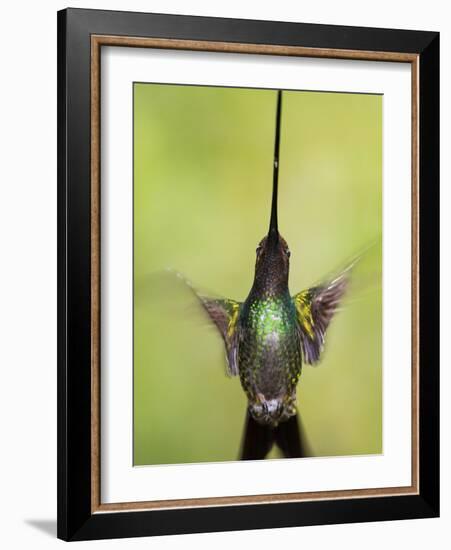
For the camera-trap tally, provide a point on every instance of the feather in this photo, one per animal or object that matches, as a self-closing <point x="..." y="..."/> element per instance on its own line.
<point x="224" y="314"/>
<point x="315" y="308"/>
<point x="288" y="436"/>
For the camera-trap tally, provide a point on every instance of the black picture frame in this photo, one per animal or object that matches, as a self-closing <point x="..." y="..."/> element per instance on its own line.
<point x="76" y="520"/>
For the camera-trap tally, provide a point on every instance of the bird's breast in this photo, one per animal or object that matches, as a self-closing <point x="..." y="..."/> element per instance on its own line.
<point x="269" y="354"/>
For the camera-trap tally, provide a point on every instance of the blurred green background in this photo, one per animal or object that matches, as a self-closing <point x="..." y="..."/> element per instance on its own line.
<point x="202" y="191"/>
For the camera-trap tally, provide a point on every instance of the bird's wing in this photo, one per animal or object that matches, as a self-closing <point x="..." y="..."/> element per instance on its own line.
<point x="315" y="308"/>
<point x="224" y="313"/>
<point x="168" y="289"/>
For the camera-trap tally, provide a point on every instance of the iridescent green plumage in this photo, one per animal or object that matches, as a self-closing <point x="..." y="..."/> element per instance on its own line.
<point x="269" y="357"/>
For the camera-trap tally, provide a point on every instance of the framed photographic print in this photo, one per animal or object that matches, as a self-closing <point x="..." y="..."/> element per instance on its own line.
<point x="248" y="274"/>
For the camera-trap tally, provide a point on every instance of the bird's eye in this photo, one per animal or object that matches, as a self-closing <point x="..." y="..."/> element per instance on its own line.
<point x="257" y="250"/>
<point x="288" y="253"/>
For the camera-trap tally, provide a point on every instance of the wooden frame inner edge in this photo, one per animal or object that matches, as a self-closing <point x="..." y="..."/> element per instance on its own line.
<point x="107" y="40"/>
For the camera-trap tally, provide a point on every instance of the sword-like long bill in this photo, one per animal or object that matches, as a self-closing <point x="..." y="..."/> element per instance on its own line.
<point x="273" y="233"/>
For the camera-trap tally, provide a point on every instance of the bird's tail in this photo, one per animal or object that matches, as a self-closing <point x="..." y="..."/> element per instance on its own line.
<point x="258" y="439"/>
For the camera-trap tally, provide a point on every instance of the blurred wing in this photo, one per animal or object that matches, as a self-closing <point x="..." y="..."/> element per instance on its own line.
<point x="224" y="314"/>
<point x="168" y="290"/>
<point x="315" y="308"/>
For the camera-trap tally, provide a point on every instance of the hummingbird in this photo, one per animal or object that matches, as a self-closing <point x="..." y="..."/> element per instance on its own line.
<point x="269" y="336"/>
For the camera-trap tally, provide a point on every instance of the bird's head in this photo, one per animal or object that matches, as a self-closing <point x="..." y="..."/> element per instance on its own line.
<point x="272" y="263"/>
